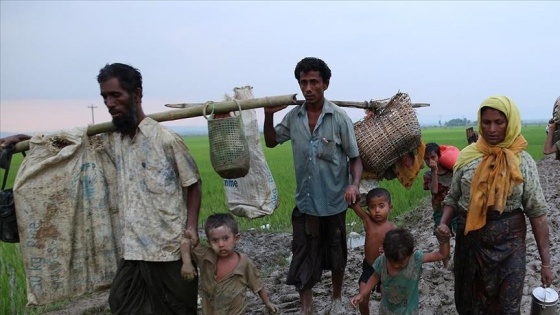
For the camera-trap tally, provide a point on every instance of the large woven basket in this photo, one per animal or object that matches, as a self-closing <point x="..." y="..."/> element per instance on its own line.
<point x="556" y="120"/>
<point x="556" y="111"/>
<point x="387" y="136"/>
<point x="229" y="151"/>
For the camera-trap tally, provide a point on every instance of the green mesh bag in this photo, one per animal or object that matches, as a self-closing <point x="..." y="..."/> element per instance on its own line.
<point x="229" y="151"/>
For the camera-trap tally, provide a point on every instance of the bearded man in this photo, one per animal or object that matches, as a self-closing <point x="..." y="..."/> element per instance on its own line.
<point x="159" y="193"/>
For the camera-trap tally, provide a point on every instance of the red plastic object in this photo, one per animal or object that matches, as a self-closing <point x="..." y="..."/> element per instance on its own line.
<point x="449" y="155"/>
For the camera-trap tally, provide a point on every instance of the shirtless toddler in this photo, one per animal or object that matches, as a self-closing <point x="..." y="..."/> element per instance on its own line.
<point x="378" y="201"/>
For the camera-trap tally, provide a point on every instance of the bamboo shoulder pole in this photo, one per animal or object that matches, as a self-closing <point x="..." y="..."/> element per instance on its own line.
<point x="364" y="104"/>
<point x="191" y="111"/>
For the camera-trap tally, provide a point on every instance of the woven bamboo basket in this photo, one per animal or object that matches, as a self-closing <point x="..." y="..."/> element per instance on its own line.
<point x="387" y="136"/>
<point x="556" y="120"/>
<point x="556" y="111"/>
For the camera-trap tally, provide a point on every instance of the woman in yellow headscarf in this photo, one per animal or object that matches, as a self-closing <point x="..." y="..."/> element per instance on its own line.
<point x="495" y="185"/>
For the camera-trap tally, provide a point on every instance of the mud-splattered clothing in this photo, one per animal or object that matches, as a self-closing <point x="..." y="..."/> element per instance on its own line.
<point x="490" y="265"/>
<point x="321" y="162"/>
<point x="319" y="243"/>
<point x="152" y="169"/>
<point x="400" y="292"/>
<point x="228" y="295"/>
<point x="490" y="262"/>
<point x="320" y="158"/>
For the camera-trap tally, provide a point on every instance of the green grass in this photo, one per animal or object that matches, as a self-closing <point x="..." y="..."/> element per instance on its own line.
<point x="279" y="159"/>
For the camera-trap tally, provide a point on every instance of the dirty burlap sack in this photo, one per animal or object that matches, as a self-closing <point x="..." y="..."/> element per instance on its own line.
<point x="254" y="195"/>
<point x="67" y="216"/>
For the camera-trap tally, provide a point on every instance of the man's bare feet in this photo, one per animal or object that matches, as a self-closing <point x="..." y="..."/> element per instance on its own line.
<point x="336" y="307"/>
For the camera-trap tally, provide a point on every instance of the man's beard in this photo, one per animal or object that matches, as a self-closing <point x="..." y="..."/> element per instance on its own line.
<point x="127" y="122"/>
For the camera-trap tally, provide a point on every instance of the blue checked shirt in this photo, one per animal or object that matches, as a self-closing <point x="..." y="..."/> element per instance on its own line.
<point x="321" y="159"/>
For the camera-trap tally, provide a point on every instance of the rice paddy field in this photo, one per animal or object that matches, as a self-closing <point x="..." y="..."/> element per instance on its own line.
<point x="279" y="159"/>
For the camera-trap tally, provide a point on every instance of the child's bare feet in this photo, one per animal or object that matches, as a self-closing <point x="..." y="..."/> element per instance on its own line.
<point x="272" y="308"/>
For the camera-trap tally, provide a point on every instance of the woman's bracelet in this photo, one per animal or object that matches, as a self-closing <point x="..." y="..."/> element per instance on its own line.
<point x="545" y="266"/>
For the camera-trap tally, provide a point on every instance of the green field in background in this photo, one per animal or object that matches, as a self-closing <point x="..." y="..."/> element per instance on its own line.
<point x="279" y="159"/>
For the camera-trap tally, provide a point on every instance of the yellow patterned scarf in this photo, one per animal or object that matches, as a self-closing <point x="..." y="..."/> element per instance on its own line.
<point x="498" y="172"/>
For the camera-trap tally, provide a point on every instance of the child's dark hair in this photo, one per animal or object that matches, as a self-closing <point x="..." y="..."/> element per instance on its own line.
<point x="432" y="147"/>
<point x="313" y="64"/>
<point x="221" y="219"/>
<point x="378" y="192"/>
<point x="398" y="244"/>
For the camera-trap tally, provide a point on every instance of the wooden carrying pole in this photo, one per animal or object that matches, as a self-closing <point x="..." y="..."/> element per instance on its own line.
<point x="365" y="104"/>
<point x="191" y="111"/>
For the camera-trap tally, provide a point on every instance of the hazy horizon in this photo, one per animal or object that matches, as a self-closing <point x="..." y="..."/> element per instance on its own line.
<point x="203" y="130"/>
<point x="451" y="54"/>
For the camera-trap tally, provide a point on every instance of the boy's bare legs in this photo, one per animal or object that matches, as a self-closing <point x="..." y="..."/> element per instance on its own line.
<point x="364" y="304"/>
<point x="306" y="299"/>
<point x="336" y="303"/>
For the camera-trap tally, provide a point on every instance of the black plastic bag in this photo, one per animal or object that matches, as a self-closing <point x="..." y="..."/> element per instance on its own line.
<point x="8" y="221"/>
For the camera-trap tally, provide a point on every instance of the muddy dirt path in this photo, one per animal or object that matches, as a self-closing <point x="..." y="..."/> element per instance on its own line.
<point x="270" y="252"/>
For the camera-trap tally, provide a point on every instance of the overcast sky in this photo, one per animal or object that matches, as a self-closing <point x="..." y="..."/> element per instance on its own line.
<point x="449" y="54"/>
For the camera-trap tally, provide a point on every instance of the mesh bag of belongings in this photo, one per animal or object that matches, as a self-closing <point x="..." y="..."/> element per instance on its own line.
<point x="253" y="195"/>
<point x="229" y="151"/>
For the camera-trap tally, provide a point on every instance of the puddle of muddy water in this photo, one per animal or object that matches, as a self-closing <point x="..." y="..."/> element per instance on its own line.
<point x="355" y="240"/>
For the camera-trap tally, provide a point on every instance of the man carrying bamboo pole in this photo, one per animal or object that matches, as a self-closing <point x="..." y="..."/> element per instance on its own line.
<point x="159" y="191"/>
<point x="325" y="152"/>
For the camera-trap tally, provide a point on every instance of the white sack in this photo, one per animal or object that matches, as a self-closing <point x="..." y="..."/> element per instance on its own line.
<point x="254" y="195"/>
<point x="67" y="217"/>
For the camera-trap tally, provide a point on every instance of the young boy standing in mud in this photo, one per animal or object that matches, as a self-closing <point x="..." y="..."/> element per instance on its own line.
<point x="376" y="225"/>
<point x="225" y="274"/>
<point x="400" y="269"/>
